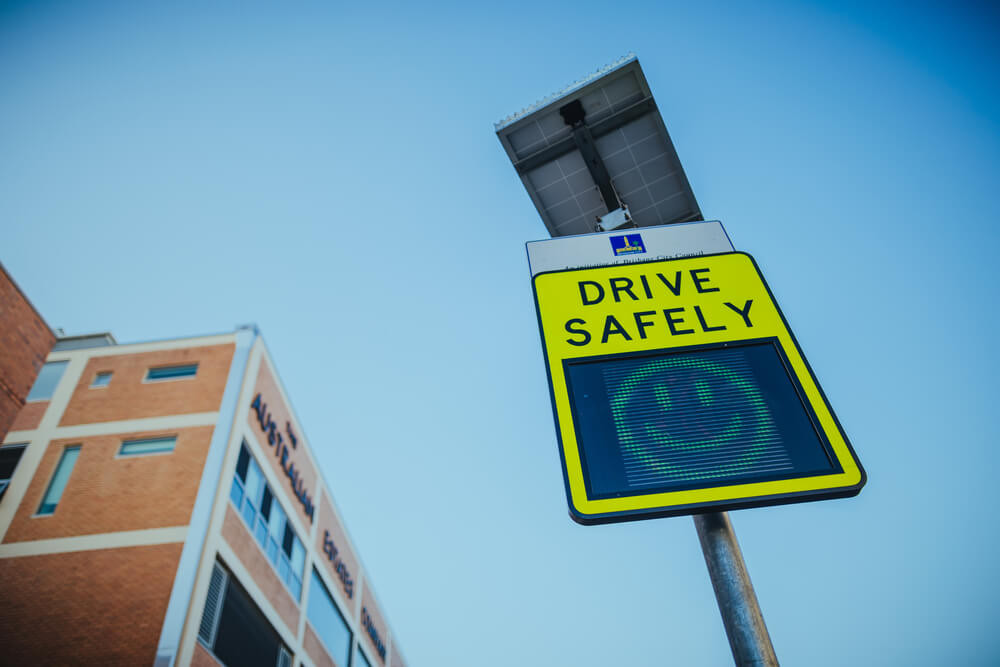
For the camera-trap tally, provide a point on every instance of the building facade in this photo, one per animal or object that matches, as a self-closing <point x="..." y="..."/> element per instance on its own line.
<point x="25" y="341"/>
<point x="166" y="508"/>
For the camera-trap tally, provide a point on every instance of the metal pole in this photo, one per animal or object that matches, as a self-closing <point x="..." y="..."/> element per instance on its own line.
<point x="748" y="638"/>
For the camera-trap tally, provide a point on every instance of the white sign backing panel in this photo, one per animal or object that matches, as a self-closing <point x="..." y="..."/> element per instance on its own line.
<point x="627" y="246"/>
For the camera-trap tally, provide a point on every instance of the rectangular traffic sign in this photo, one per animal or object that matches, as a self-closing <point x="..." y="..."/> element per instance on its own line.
<point x="678" y="388"/>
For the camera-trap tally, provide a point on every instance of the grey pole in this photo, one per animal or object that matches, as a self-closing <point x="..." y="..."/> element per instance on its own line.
<point x="748" y="638"/>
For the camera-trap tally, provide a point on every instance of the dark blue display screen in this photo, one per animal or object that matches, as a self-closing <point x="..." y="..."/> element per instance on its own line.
<point x="668" y="420"/>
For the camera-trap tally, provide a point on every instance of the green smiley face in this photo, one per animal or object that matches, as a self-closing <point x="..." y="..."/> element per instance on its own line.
<point x="682" y="420"/>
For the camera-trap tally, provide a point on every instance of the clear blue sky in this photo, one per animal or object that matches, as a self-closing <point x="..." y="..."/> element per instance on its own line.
<point x="330" y="171"/>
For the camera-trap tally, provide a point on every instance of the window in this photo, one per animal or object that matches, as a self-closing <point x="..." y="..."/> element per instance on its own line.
<point x="101" y="380"/>
<point x="59" y="479"/>
<point x="9" y="457"/>
<point x="234" y="628"/>
<point x="47" y="381"/>
<point x="362" y="660"/>
<point x="147" y="446"/>
<point x="268" y="522"/>
<point x="171" y="372"/>
<point x="328" y="622"/>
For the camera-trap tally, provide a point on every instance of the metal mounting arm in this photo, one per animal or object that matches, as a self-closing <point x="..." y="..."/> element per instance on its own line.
<point x="574" y="116"/>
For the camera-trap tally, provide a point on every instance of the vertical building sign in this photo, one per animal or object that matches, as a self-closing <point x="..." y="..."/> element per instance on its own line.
<point x="373" y="627"/>
<point x="338" y="556"/>
<point x="271" y="421"/>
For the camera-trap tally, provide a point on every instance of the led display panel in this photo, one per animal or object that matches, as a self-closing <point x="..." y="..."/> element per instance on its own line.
<point x="693" y="419"/>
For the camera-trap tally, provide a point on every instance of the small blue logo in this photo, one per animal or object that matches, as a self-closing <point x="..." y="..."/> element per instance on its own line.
<point x="629" y="244"/>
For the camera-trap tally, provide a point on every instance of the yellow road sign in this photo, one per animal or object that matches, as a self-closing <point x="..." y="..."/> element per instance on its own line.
<point x="678" y="387"/>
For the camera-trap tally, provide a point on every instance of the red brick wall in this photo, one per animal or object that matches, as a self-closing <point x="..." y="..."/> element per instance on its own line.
<point x="108" y="494"/>
<point x="202" y="658"/>
<point x="128" y="397"/>
<point x="30" y="416"/>
<point x="236" y="534"/>
<point x="25" y="342"/>
<point x="103" y="607"/>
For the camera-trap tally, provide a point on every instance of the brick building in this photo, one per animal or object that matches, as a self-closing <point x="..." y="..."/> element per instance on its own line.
<point x="25" y="340"/>
<point x="166" y="508"/>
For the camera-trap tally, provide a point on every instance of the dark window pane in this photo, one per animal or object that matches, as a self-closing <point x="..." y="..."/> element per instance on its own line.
<point x="172" y="372"/>
<point x="242" y="463"/>
<point x="244" y="636"/>
<point x="286" y="544"/>
<point x="9" y="456"/>
<point x="265" y="504"/>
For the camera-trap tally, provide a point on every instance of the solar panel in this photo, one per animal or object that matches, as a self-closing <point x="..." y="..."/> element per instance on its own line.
<point x="629" y="139"/>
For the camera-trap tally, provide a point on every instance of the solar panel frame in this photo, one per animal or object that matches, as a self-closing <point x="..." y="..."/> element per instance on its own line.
<point x="631" y="138"/>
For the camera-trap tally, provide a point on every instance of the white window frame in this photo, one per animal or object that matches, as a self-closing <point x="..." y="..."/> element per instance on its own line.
<point x="122" y="454"/>
<point x="149" y="380"/>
